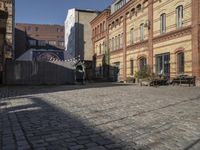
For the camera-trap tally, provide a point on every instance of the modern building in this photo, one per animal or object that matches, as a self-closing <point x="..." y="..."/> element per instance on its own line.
<point x="78" y="33"/>
<point x="7" y="17"/>
<point x="38" y="36"/>
<point x="162" y="34"/>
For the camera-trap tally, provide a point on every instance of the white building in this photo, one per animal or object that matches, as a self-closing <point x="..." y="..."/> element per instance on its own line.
<point x="78" y="33"/>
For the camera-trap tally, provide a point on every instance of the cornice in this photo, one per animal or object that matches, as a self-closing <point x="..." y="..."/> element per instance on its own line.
<point x="173" y="34"/>
<point x="139" y="44"/>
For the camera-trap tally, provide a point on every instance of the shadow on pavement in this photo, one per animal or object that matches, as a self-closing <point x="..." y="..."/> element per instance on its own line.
<point x="37" y="124"/>
<point x="13" y="91"/>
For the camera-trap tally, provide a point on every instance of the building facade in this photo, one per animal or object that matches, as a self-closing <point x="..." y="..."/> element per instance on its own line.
<point x="78" y="33"/>
<point x="163" y="34"/>
<point x="7" y="17"/>
<point x="100" y="41"/>
<point x="38" y="36"/>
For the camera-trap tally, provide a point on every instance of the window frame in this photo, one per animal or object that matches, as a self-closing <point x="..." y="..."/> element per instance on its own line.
<point x="180" y="63"/>
<point x="163" y="23"/>
<point x="179" y="16"/>
<point x="142" y="32"/>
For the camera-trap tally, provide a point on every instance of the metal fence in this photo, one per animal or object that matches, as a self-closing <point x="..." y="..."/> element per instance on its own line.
<point x="39" y="73"/>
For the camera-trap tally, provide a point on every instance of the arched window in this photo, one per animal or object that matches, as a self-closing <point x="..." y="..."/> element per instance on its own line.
<point x="139" y="8"/>
<point x="101" y="28"/>
<point x="113" y="43"/>
<point x="131" y="36"/>
<point x="163" y="23"/>
<point x="100" y="49"/>
<point x="180" y="63"/>
<point x="95" y="31"/>
<point x="179" y="16"/>
<point x="142" y="63"/>
<point x="116" y="43"/>
<point x="142" y="31"/>
<point x="131" y="67"/>
<point x="119" y="41"/>
<point x="104" y="26"/>
<point x="122" y="40"/>
<point x="132" y="11"/>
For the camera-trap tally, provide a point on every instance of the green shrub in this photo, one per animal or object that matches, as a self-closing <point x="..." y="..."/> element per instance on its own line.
<point x="144" y="73"/>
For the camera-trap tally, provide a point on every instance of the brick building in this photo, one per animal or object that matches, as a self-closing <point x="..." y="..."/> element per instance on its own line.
<point x="38" y="36"/>
<point x="7" y="14"/>
<point x="162" y="34"/>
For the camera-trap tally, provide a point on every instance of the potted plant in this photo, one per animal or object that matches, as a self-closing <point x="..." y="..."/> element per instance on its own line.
<point x="130" y="79"/>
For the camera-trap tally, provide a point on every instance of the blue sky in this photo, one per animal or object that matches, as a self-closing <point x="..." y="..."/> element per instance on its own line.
<point x="52" y="11"/>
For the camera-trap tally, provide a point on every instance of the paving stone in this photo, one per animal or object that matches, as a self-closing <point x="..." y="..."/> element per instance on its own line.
<point x="103" y="116"/>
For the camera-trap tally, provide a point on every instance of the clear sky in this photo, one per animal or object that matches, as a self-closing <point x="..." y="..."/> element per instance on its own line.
<point x="52" y="11"/>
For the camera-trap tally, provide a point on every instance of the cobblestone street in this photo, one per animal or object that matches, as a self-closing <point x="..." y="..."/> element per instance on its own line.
<point x="100" y="117"/>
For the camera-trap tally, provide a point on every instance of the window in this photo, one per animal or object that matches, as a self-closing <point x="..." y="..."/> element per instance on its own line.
<point x="120" y="4"/>
<point x="119" y="41"/>
<point x="163" y="64"/>
<point x="103" y="47"/>
<point x="29" y="28"/>
<point x="93" y="34"/>
<point x="52" y="42"/>
<point x="95" y="31"/>
<point x="139" y="7"/>
<point x="163" y="23"/>
<point x="100" y="49"/>
<point x="113" y="43"/>
<point x="142" y="63"/>
<point x="132" y="11"/>
<point x="116" y="43"/>
<point x="179" y="16"/>
<point x="110" y="45"/>
<point x="142" y="31"/>
<point x="131" y="67"/>
<point x="32" y="42"/>
<point x="36" y="29"/>
<point x="58" y="30"/>
<point x="122" y="37"/>
<point x="101" y="28"/>
<point x="96" y="49"/>
<point x="61" y="43"/>
<point x="41" y="43"/>
<point x="104" y="26"/>
<point x="180" y="62"/>
<point x="132" y="36"/>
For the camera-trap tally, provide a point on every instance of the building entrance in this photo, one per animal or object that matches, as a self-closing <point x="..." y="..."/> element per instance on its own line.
<point x="163" y="64"/>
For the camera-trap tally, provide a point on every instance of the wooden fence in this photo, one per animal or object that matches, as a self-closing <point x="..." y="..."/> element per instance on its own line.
<point x="39" y="73"/>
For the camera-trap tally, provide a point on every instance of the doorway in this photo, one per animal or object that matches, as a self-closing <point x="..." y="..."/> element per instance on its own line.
<point x="163" y="64"/>
<point x="117" y="71"/>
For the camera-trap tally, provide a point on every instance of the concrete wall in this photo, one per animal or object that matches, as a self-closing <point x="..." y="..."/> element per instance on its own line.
<point x="78" y="33"/>
<point x="39" y="73"/>
<point x="70" y="33"/>
<point x="84" y="22"/>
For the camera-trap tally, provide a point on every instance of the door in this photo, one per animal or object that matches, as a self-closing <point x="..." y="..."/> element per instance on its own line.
<point x="117" y="71"/>
<point x="163" y="64"/>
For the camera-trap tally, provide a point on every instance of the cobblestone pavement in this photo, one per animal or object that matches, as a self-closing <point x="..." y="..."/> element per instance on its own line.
<point x="99" y="117"/>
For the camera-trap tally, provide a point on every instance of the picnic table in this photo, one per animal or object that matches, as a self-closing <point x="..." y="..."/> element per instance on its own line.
<point x="154" y="81"/>
<point x="184" y="79"/>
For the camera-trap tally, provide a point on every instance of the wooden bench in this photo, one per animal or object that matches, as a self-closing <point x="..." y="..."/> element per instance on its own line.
<point x="184" y="79"/>
<point x="153" y="82"/>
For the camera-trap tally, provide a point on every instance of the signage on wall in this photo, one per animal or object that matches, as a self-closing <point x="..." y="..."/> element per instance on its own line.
<point x="47" y="56"/>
